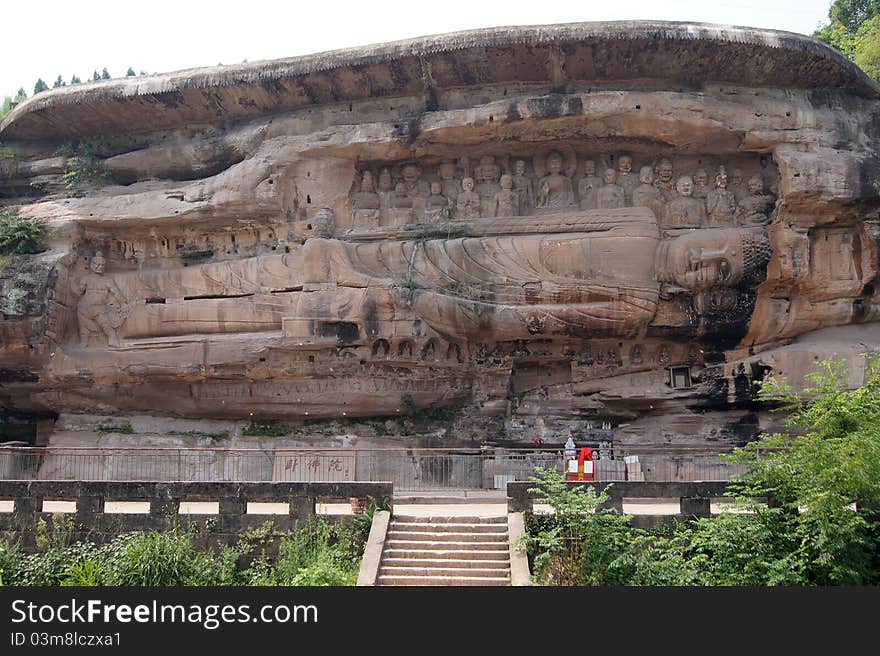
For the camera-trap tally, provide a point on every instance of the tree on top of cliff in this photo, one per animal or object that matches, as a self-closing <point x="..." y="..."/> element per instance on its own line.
<point x="854" y="29"/>
<point x="40" y="86"/>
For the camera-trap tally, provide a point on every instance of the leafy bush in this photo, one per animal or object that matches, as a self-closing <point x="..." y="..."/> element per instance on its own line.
<point x="19" y="235"/>
<point x="84" y="167"/>
<point x="271" y="427"/>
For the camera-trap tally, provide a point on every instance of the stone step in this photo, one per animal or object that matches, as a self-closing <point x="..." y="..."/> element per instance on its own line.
<point x="457" y="554"/>
<point x="449" y="520"/>
<point x="452" y="545"/>
<point x="466" y="572"/>
<point x="457" y="527"/>
<point x="428" y="536"/>
<point x="442" y="580"/>
<point x="457" y="563"/>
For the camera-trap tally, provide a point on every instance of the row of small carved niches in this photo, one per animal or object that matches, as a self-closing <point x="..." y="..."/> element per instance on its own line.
<point x="167" y="249"/>
<point x="592" y="358"/>
<point x="683" y="191"/>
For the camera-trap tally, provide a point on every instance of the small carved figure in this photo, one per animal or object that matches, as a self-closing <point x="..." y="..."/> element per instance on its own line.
<point x="414" y="186"/>
<point x="754" y="210"/>
<point x="468" y="204"/>
<point x="684" y="211"/>
<point x="522" y="184"/>
<point x="701" y="183"/>
<point x="663" y="180"/>
<point x="736" y="185"/>
<point x="646" y="194"/>
<point x="102" y="309"/>
<point x="610" y="195"/>
<point x="589" y="186"/>
<point x="401" y="205"/>
<point x="366" y="198"/>
<point x="720" y="202"/>
<point x="554" y="189"/>
<point x="626" y="179"/>
<point x="437" y="205"/>
<point x="506" y="200"/>
<point x="488" y="174"/>
<point x="450" y="186"/>
<point x="386" y="194"/>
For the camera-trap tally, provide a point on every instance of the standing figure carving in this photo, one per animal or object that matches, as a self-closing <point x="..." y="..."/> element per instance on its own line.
<point x="488" y="174"/>
<point x="626" y="179"/>
<point x="506" y="200"/>
<point x="450" y="185"/>
<point x="610" y="195"/>
<point x="468" y="204"/>
<point x="720" y="202"/>
<point x="554" y="189"/>
<point x="684" y="211"/>
<point x="522" y="184"/>
<point x="646" y="194"/>
<point x="589" y="186"/>
<point x="102" y="309"/>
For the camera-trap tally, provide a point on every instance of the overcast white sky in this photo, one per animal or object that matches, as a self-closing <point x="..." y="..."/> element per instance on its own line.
<point x="42" y="38"/>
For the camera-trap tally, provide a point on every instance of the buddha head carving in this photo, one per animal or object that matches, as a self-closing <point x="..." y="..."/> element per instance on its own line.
<point x="736" y="177"/>
<point x="554" y="162"/>
<point x="467" y="184"/>
<point x="610" y="176"/>
<point x="713" y="258"/>
<point x="411" y="173"/>
<point x="385" y="182"/>
<point x="489" y="170"/>
<point x="589" y="167"/>
<point x="701" y="178"/>
<point x="756" y="185"/>
<point x="625" y="164"/>
<point x="519" y="168"/>
<point x="447" y="170"/>
<point x="721" y="178"/>
<point x="646" y="175"/>
<point x="506" y="181"/>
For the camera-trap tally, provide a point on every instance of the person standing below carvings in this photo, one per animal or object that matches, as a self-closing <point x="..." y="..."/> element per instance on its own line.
<point x="468" y="204"/>
<point x="589" y="186"/>
<point x="684" y="211"/>
<point x="626" y="179"/>
<point x="610" y="195"/>
<point x="522" y="184"/>
<point x="554" y="189"/>
<point x="720" y="202"/>
<point x="506" y="200"/>
<point x="646" y="194"/>
<point x="102" y="308"/>
<point x="754" y="210"/>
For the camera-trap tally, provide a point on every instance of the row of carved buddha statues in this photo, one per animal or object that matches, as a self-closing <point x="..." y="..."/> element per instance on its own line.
<point x="482" y="191"/>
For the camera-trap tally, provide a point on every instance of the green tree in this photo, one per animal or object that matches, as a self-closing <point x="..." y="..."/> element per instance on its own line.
<point x="854" y="29"/>
<point x="58" y="82"/>
<point x="40" y="86"/>
<point x="75" y="80"/>
<point x="105" y="75"/>
<point x="20" y="96"/>
<point x="825" y="474"/>
<point x="7" y="106"/>
<point x="130" y="72"/>
<point x="96" y="75"/>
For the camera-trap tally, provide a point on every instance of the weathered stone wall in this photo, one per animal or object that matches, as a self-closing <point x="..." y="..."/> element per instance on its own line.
<point x="561" y="228"/>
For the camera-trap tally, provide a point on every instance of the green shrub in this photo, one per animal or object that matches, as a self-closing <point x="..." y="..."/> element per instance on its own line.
<point x="271" y="427"/>
<point x="159" y="558"/>
<point x="19" y="235"/>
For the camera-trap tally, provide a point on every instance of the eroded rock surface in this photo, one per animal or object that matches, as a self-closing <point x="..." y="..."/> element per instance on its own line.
<point x="616" y="225"/>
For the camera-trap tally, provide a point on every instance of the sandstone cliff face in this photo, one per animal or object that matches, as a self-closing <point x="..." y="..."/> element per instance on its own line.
<point x="620" y="225"/>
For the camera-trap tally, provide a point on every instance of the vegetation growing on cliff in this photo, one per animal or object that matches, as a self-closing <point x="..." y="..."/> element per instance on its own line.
<point x="19" y="235"/>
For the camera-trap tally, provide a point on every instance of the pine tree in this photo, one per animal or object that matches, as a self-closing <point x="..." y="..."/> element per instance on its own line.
<point x="21" y="96"/>
<point x="130" y="72"/>
<point x="75" y="80"/>
<point x="105" y="75"/>
<point x="96" y="75"/>
<point x="59" y="82"/>
<point x="40" y="86"/>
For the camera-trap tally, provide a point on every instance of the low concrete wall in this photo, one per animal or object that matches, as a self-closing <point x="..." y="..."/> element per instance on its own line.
<point x="369" y="572"/>
<point x="91" y="521"/>
<point x="694" y="498"/>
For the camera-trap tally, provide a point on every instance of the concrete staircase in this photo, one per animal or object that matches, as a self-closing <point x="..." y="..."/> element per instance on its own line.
<point x="445" y="551"/>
